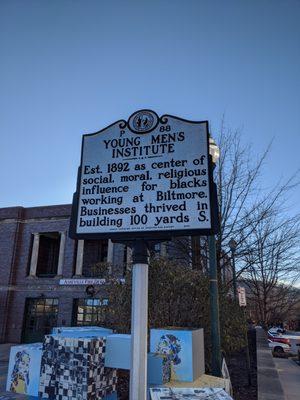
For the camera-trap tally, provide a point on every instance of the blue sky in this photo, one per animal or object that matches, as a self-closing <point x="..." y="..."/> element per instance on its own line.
<point x="73" y="67"/>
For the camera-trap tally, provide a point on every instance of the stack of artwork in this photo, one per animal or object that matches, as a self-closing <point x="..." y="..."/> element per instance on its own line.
<point x="69" y="365"/>
<point x="81" y="363"/>
<point x="118" y="355"/>
<point x="176" y="354"/>
<point x="184" y="349"/>
<point x="73" y="368"/>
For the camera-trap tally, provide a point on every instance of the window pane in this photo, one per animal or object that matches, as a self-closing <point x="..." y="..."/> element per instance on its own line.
<point x="39" y="319"/>
<point x="40" y="308"/>
<point x="95" y="251"/>
<point x="48" y="254"/>
<point x="88" y="317"/>
<point x="89" y="311"/>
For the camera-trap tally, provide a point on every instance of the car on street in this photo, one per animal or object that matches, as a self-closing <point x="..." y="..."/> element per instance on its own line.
<point x="278" y="337"/>
<point x="279" y="348"/>
<point x="276" y="330"/>
<point x="292" y="340"/>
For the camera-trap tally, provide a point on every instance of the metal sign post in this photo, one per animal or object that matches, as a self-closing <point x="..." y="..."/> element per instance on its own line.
<point x="139" y="321"/>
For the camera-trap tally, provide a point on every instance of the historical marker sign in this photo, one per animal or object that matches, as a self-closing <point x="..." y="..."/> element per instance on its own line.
<point x="144" y="177"/>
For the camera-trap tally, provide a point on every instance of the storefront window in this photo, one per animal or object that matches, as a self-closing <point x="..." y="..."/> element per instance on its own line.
<point x="40" y="317"/>
<point x="89" y="311"/>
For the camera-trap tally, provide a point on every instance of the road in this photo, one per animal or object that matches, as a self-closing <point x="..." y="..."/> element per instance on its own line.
<point x="289" y="375"/>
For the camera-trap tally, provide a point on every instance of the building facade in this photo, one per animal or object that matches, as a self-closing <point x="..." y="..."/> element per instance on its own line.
<point x="46" y="277"/>
<point x="44" y="274"/>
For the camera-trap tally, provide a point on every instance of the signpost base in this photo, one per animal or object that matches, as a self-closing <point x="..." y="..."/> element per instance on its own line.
<point x="139" y="321"/>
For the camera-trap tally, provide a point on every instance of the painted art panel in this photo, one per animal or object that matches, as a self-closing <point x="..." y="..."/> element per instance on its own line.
<point x="183" y="348"/>
<point x="24" y="369"/>
<point x="73" y="368"/>
<point x="189" y="394"/>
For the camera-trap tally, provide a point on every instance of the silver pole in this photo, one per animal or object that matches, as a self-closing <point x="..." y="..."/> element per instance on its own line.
<point x="139" y="323"/>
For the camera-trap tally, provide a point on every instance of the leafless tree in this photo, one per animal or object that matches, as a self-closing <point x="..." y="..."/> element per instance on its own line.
<point x="273" y="268"/>
<point x="243" y="202"/>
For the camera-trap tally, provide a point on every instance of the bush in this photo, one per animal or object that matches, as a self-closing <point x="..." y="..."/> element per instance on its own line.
<point x="178" y="297"/>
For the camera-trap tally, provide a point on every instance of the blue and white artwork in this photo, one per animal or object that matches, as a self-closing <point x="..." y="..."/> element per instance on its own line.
<point x="119" y="352"/>
<point x="81" y="331"/>
<point x="24" y="369"/>
<point x="189" y="393"/>
<point x="73" y="368"/>
<point x="183" y="348"/>
<point x="158" y="370"/>
<point x="77" y="330"/>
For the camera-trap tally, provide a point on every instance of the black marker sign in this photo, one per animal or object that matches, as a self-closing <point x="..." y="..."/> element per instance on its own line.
<point x="146" y="177"/>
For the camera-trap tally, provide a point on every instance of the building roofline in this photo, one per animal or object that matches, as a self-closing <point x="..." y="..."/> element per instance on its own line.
<point x="19" y="212"/>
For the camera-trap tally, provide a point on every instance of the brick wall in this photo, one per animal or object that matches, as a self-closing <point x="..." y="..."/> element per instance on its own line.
<point x="9" y="240"/>
<point x="17" y="225"/>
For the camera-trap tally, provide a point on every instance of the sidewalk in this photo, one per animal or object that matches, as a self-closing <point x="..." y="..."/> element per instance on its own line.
<point x="289" y="375"/>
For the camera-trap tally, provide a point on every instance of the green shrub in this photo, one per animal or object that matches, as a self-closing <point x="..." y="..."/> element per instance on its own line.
<point x="178" y="297"/>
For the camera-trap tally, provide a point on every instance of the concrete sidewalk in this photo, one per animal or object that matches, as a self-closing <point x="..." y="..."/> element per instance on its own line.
<point x="289" y="375"/>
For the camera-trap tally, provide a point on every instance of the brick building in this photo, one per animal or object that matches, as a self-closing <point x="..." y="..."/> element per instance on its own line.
<point x="39" y="266"/>
<point x="44" y="274"/>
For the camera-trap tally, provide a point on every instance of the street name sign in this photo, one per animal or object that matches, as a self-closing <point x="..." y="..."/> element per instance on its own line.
<point x="75" y="282"/>
<point x="86" y="281"/>
<point x="146" y="177"/>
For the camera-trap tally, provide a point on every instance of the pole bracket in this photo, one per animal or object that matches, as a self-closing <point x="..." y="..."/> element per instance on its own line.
<point x="140" y="252"/>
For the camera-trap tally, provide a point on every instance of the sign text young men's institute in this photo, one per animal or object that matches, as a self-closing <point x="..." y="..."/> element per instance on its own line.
<point x="146" y="175"/>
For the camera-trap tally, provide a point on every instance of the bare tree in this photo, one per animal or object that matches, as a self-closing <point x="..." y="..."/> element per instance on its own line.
<point x="243" y="203"/>
<point x="273" y="267"/>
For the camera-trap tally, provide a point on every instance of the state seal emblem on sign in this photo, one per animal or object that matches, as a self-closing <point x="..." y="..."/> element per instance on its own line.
<point x="143" y="121"/>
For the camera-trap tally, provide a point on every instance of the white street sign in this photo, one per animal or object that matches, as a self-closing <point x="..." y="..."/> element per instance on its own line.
<point x="242" y="296"/>
<point x="73" y="282"/>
